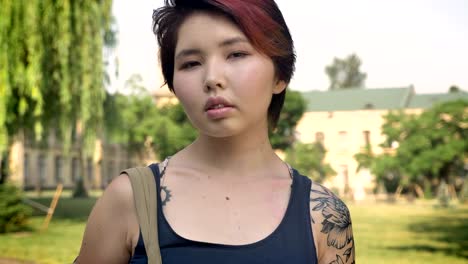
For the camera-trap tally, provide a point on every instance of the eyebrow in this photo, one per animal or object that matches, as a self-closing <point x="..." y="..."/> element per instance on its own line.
<point x="227" y="42"/>
<point x="232" y="41"/>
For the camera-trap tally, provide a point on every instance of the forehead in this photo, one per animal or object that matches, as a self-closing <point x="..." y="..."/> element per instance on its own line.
<point x="203" y="28"/>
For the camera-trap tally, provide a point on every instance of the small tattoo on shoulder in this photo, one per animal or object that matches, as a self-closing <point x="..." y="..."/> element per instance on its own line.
<point x="167" y="195"/>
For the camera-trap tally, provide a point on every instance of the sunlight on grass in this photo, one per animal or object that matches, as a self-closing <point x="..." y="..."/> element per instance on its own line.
<point x="410" y="233"/>
<point x="59" y="244"/>
<point x="384" y="233"/>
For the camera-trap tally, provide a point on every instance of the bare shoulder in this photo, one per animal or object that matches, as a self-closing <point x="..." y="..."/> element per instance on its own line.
<point x="331" y="226"/>
<point x="109" y="233"/>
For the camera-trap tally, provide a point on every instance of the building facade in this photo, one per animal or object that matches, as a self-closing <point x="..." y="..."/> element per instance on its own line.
<point x="345" y="121"/>
<point x="36" y="167"/>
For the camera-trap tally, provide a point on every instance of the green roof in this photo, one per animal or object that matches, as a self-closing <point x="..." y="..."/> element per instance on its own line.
<point x="382" y="98"/>
<point x="428" y="100"/>
<point x="359" y="98"/>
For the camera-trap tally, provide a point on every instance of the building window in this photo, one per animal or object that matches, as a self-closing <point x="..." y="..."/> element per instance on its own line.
<point x="75" y="169"/>
<point x="343" y="140"/>
<point x="344" y="173"/>
<point x="319" y="137"/>
<point x="41" y="164"/>
<point x="366" y="135"/>
<point x="26" y="176"/>
<point x="110" y="171"/>
<point x="343" y="136"/>
<point x="89" y="170"/>
<point x="103" y="173"/>
<point x="58" y="169"/>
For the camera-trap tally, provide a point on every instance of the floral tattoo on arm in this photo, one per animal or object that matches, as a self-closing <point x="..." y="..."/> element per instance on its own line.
<point x="336" y="223"/>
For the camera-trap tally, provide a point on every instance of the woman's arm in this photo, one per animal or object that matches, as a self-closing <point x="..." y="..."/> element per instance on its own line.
<point x="331" y="226"/>
<point x="108" y="234"/>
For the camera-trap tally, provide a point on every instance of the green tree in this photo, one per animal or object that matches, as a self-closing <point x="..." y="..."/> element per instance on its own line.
<point x="293" y="109"/>
<point x="309" y="160"/>
<point x="175" y="135"/>
<point x="128" y="120"/>
<point x="51" y="59"/>
<point x="433" y="146"/>
<point x="436" y="143"/>
<point x="364" y="158"/>
<point x="134" y="121"/>
<point x="14" y="213"/>
<point x="21" y="100"/>
<point x="454" y="89"/>
<point x="385" y="167"/>
<point x="387" y="170"/>
<point x="345" y="73"/>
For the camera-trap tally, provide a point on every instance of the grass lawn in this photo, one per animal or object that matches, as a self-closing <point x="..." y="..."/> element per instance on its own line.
<point x="410" y="233"/>
<point x="384" y="233"/>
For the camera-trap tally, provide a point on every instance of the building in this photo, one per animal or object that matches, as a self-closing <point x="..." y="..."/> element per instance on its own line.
<point x="41" y="168"/>
<point x="346" y="120"/>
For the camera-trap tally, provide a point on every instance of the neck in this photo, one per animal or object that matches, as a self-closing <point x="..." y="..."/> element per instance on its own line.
<point x="237" y="155"/>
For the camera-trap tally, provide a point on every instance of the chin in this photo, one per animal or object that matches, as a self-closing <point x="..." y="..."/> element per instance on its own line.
<point x="225" y="128"/>
<point x="218" y="133"/>
<point x="219" y="130"/>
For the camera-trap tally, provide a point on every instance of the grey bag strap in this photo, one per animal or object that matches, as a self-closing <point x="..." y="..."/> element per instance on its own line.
<point x="144" y="193"/>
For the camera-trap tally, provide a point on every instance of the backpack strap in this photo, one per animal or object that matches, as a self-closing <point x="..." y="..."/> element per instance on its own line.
<point x="144" y="194"/>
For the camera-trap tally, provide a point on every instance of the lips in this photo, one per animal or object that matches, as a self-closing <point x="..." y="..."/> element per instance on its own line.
<point x="217" y="102"/>
<point x="217" y="108"/>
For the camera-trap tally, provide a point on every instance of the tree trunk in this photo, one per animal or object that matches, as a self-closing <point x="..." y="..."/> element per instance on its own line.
<point x="443" y="194"/>
<point x="81" y="186"/>
<point x="398" y="192"/>
<point x="419" y="191"/>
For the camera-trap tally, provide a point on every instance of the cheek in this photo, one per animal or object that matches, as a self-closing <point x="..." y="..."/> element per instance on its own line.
<point x="186" y="92"/>
<point x="255" y="81"/>
<point x="186" y="84"/>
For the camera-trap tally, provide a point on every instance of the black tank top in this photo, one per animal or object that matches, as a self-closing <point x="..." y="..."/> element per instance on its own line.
<point x="291" y="242"/>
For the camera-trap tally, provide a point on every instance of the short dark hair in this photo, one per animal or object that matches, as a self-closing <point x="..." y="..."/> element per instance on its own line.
<point x="260" y="20"/>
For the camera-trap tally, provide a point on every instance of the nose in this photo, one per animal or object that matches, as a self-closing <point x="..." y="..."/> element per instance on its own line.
<point x="215" y="77"/>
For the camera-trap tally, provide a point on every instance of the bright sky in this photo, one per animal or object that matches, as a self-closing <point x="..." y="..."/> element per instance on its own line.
<point x="401" y="42"/>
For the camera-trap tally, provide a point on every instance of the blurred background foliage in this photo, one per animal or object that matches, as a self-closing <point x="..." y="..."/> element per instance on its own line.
<point x="424" y="150"/>
<point x="52" y="71"/>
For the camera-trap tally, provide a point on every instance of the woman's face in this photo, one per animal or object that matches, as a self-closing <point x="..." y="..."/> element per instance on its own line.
<point x="223" y="83"/>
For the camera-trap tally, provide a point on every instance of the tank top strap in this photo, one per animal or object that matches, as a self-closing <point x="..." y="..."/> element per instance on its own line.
<point x="155" y="169"/>
<point x="297" y="226"/>
<point x="299" y="201"/>
<point x="302" y="187"/>
<point x="157" y="179"/>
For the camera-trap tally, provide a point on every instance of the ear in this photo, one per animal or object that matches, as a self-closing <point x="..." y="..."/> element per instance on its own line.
<point x="279" y="87"/>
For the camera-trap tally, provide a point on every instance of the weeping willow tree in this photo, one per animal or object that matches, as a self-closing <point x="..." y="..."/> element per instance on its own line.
<point x="51" y="71"/>
<point x="21" y="99"/>
<point x="89" y="22"/>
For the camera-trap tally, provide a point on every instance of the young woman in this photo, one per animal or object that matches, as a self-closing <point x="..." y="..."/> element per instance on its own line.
<point x="227" y="197"/>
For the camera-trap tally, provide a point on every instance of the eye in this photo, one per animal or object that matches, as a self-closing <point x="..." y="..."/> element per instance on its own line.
<point x="237" y="54"/>
<point x="189" y="65"/>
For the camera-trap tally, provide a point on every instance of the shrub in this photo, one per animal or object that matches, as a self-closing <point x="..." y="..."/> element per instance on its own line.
<point x="13" y="212"/>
